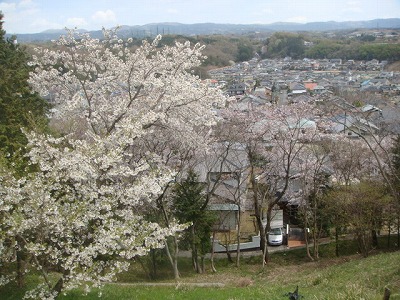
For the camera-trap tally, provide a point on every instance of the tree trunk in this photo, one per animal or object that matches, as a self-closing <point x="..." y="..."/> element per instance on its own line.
<point x="398" y="231"/>
<point x="153" y="264"/>
<point x="203" y="264"/>
<point x="308" y="245"/>
<point x="386" y="295"/>
<point x="238" y="243"/>
<point x="228" y="254"/>
<point x="59" y="285"/>
<point x="263" y="241"/>
<point x="337" y="241"/>
<point x="195" y="255"/>
<point x="263" y="233"/>
<point x="316" y="230"/>
<point x="214" y="270"/>
<point x="265" y="253"/>
<point x="374" y="238"/>
<point x="19" y="250"/>
<point x="173" y="259"/>
<point x="20" y="268"/>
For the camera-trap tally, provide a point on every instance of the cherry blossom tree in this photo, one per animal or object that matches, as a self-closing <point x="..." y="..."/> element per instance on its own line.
<point x="83" y="212"/>
<point x="313" y="175"/>
<point x="273" y="137"/>
<point x="378" y="140"/>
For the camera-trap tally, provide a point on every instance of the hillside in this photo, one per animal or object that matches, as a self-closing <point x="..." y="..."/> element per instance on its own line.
<point x="331" y="278"/>
<point x="148" y="30"/>
<point x="346" y="278"/>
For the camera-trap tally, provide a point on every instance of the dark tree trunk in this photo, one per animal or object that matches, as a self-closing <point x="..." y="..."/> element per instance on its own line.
<point x="386" y="295"/>
<point x="374" y="238"/>
<point x="398" y="231"/>
<point x="20" y="269"/>
<point x="59" y="285"/>
<point x="337" y="242"/>
<point x="20" y="262"/>
<point x="203" y="264"/>
<point x="153" y="264"/>
<point x="229" y="255"/>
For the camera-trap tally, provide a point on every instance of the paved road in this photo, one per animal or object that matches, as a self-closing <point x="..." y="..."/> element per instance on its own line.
<point x="245" y="253"/>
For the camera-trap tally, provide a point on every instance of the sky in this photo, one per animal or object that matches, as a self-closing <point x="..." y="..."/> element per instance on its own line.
<point x="33" y="16"/>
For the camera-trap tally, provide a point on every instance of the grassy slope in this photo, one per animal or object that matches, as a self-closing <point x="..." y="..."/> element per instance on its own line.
<point x="347" y="277"/>
<point x="351" y="277"/>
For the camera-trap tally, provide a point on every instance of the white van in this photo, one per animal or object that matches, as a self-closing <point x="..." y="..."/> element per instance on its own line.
<point x="275" y="236"/>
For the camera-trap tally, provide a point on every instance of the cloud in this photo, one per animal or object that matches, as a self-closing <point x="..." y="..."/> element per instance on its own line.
<point x="298" y="19"/>
<point x="172" y="11"/>
<point x="268" y="11"/>
<point x="45" y="24"/>
<point x="353" y="6"/>
<point x="7" y="7"/>
<point x="76" y="22"/>
<point x="104" y="16"/>
<point x="26" y="4"/>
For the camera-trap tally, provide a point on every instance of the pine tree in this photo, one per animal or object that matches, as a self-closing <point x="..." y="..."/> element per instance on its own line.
<point x="190" y="206"/>
<point x="2" y="32"/>
<point x="19" y="107"/>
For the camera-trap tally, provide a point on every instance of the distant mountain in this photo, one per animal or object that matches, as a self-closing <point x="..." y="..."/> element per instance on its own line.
<point x="213" y="28"/>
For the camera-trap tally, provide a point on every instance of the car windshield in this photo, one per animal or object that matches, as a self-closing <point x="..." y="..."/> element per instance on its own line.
<point x="275" y="231"/>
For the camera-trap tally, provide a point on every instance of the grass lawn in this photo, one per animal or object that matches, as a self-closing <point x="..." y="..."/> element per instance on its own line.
<point x="347" y="277"/>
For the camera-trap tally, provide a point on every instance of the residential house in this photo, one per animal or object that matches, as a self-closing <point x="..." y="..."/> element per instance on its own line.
<point x="297" y="88"/>
<point x="352" y="125"/>
<point x="319" y="89"/>
<point x="310" y="85"/>
<point x="238" y="88"/>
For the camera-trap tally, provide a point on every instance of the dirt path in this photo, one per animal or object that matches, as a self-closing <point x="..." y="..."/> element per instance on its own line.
<point x="174" y="284"/>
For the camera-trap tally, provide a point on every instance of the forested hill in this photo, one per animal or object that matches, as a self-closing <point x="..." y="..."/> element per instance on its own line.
<point x="224" y="49"/>
<point x="213" y="28"/>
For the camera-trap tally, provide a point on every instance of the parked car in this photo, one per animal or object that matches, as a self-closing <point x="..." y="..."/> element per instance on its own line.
<point x="275" y="236"/>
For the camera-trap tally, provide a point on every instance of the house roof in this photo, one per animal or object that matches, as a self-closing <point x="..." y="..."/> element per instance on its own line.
<point x="310" y="85"/>
<point x="304" y="123"/>
<point x="370" y="108"/>
<point x="297" y="87"/>
<point x="346" y="121"/>
<point x="225" y="206"/>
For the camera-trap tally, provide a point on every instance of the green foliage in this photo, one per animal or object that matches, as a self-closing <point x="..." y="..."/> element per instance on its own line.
<point x="19" y="107"/>
<point x="367" y="38"/>
<point x="389" y="52"/>
<point x="359" y="208"/>
<point x="2" y="31"/>
<point x="189" y="200"/>
<point x="282" y="44"/>
<point x="190" y="207"/>
<point x="245" y="52"/>
<point x="324" y="49"/>
<point x="350" y="277"/>
<point x="366" y="50"/>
